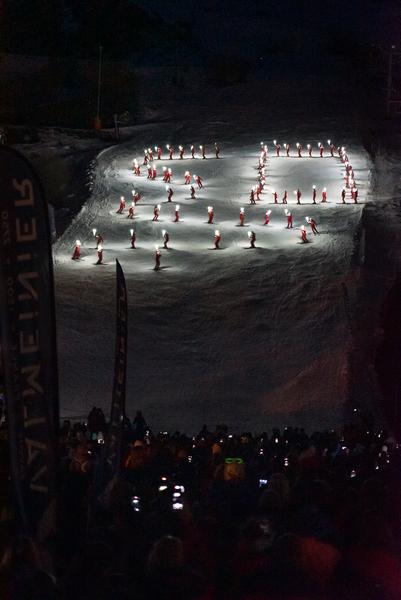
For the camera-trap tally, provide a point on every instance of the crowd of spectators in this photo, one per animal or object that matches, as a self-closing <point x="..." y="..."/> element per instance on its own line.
<point x="278" y="515"/>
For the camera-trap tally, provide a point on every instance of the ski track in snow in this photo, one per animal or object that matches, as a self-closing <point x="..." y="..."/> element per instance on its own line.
<point x="251" y="338"/>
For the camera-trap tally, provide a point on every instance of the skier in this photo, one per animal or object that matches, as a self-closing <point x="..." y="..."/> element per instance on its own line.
<point x="287" y="149"/>
<point x="274" y="196"/>
<point x="181" y="150"/>
<point x="331" y="146"/>
<point x="324" y="195"/>
<point x="170" y="193"/>
<point x="217" y="238"/>
<point x="321" y="149"/>
<point x="241" y="217"/>
<point x="136" y="168"/>
<point x="131" y="211"/>
<point x="166" y="239"/>
<point x="312" y="224"/>
<point x="289" y="219"/>
<point x="202" y="149"/>
<point x="309" y="146"/>
<point x="132" y="238"/>
<point x="170" y="151"/>
<point x="252" y="238"/>
<point x="158" y="151"/>
<point x="313" y="194"/>
<point x="343" y="195"/>
<point x="154" y="173"/>
<point x="122" y="206"/>
<point x="210" y="213"/>
<point x="99" y="254"/>
<point x="150" y="171"/>
<point x="304" y="237"/>
<point x="258" y="191"/>
<point x="99" y="240"/>
<point x="354" y="194"/>
<point x="145" y="157"/>
<point x="252" y="197"/>
<point x="165" y="173"/>
<point x="158" y="255"/>
<point x="192" y="190"/>
<point x="298" y="195"/>
<point x="136" y="196"/>
<point x="278" y="147"/>
<point x="187" y="177"/>
<point x="192" y="151"/>
<point x="299" y="150"/>
<point x="177" y="213"/>
<point x="156" y="212"/>
<point x="285" y="197"/>
<point x="267" y="216"/>
<point x="217" y="150"/>
<point x="77" y="251"/>
<point x="198" y="180"/>
<point x="150" y="154"/>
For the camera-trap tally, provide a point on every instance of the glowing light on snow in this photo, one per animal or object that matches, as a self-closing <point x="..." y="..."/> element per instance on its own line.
<point x="100" y="248"/>
<point x="298" y="144"/>
<point x="287" y="212"/>
<point x="210" y="208"/>
<point x="77" y="243"/>
<point x="155" y="148"/>
<point x="313" y="187"/>
<point x="167" y="188"/>
<point x="163" y="232"/>
<point x="131" y="231"/>
<point x="250" y="233"/>
<point x="242" y="210"/>
<point x="157" y="248"/>
<point x="94" y="232"/>
<point x="122" y="198"/>
<point x="303" y="227"/>
<point x="168" y="146"/>
<point x="177" y="207"/>
<point x="324" y="189"/>
<point x="269" y="212"/>
<point x="307" y="219"/>
<point x="329" y="142"/>
<point x="217" y="232"/>
<point x="133" y="192"/>
<point x="274" y="142"/>
<point x="159" y="206"/>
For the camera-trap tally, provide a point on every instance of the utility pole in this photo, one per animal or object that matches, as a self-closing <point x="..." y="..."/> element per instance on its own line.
<point x="98" y="123"/>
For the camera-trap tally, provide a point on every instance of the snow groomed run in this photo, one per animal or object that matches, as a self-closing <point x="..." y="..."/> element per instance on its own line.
<point x="248" y="336"/>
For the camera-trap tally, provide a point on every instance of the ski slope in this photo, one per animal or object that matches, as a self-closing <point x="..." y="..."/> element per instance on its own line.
<point x="252" y="338"/>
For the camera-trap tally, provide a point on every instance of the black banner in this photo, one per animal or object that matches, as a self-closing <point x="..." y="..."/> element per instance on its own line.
<point x="120" y="374"/>
<point x="28" y="341"/>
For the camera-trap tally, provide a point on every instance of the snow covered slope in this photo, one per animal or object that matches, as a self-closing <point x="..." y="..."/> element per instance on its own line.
<point x="252" y="338"/>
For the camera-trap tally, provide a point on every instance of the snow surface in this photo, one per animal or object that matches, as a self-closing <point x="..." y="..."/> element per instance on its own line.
<point x="252" y="338"/>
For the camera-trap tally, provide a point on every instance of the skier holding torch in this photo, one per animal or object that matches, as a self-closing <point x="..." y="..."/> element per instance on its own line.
<point x="217" y="150"/>
<point x="170" y="193"/>
<point x="177" y="213"/>
<point x="132" y="238"/>
<point x="312" y="224"/>
<point x="122" y="206"/>
<point x="203" y="150"/>
<point x="99" y="239"/>
<point x="287" y="149"/>
<point x="299" y="150"/>
<point x="324" y="195"/>
<point x="252" y="197"/>
<point x="181" y="151"/>
<point x="289" y="218"/>
<point x="187" y="177"/>
<point x="168" y="175"/>
<point x="252" y="238"/>
<point x="274" y="196"/>
<point x="192" y="151"/>
<point x="313" y="194"/>
<point x="267" y="216"/>
<point x="131" y="211"/>
<point x="331" y="146"/>
<point x="158" y="151"/>
<point x="210" y="211"/>
<point x="298" y="194"/>
<point x="77" y="251"/>
<point x="241" y="217"/>
<point x="192" y="190"/>
<point x="321" y="149"/>
<point x="309" y="147"/>
<point x="136" y="196"/>
<point x="170" y="151"/>
<point x="278" y="147"/>
<point x="217" y="238"/>
<point x="343" y="192"/>
<point x="284" y="201"/>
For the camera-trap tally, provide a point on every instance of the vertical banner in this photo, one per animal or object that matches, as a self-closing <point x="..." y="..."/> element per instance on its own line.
<point x="28" y="341"/>
<point x="116" y="429"/>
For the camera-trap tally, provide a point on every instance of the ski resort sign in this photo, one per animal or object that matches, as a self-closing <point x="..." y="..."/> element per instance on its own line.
<point x="28" y="346"/>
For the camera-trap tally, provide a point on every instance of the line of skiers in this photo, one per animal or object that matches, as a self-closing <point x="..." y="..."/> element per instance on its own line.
<point x="156" y="153"/>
